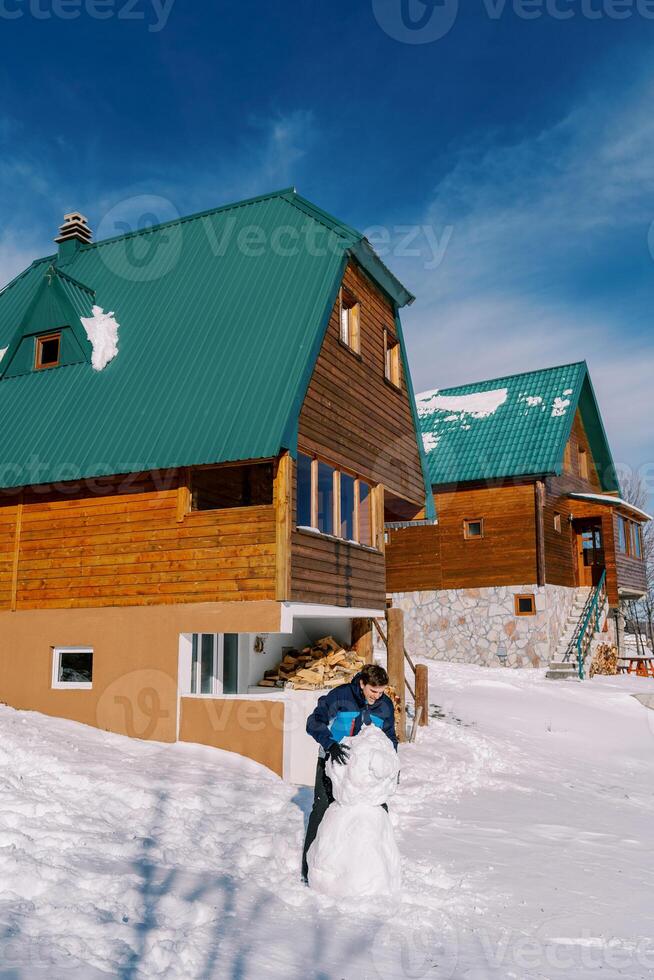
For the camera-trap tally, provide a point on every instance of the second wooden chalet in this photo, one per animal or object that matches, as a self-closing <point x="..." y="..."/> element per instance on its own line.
<point x="530" y="523"/>
<point x="205" y="425"/>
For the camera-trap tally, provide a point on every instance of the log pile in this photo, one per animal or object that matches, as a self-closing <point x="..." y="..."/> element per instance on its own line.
<point x="325" y="664"/>
<point x="605" y="660"/>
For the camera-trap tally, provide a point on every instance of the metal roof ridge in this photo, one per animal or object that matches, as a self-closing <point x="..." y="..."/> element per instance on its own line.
<point x="75" y="282"/>
<point x="505" y="377"/>
<point x="21" y="275"/>
<point x="318" y="214"/>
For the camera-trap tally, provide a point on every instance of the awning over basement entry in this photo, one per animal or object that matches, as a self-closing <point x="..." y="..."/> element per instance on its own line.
<point x="605" y="498"/>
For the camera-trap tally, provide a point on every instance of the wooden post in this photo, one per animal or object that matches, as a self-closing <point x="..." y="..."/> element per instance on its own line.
<point x="16" y="555"/>
<point x="540" y="532"/>
<point x="422" y="694"/>
<point x="395" y="637"/>
<point x="377" y="495"/>
<point x="283" y="508"/>
<point x="362" y="638"/>
<point x="183" y="493"/>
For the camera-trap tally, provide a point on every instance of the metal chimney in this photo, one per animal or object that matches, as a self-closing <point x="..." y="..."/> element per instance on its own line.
<point x="75" y="228"/>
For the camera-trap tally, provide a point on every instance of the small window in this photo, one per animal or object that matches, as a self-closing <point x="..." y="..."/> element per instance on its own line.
<point x="637" y="541"/>
<point x="47" y="351"/>
<point x="222" y="487"/>
<point x="72" y="668"/>
<point x="557" y="523"/>
<point x="583" y="464"/>
<point x="214" y="663"/>
<point x="347" y="507"/>
<point x="525" y="605"/>
<point x="392" y="359"/>
<point x="472" y="530"/>
<point x="350" y="320"/>
<point x="622" y="535"/>
<point x="325" y="498"/>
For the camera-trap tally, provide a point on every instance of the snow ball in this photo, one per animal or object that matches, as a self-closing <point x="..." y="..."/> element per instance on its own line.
<point x="370" y="775"/>
<point x="102" y="330"/>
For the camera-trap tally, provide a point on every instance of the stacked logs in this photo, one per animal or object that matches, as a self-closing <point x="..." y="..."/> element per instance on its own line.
<point x="325" y="664"/>
<point x="605" y="660"/>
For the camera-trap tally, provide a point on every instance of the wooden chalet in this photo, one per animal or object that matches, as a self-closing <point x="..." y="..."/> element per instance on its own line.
<point x="529" y="521"/>
<point x="177" y="512"/>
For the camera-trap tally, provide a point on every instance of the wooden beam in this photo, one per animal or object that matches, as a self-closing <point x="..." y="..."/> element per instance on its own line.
<point x="395" y="637"/>
<point x="539" y="490"/>
<point x="183" y="493"/>
<point x="422" y="694"/>
<point x="362" y="638"/>
<point x="283" y="523"/>
<point x="16" y="555"/>
<point x="377" y="495"/>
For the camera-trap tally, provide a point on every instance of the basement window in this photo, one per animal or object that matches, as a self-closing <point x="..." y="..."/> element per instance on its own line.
<point x="473" y="530"/>
<point x="214" y="663"/>
<point x="350" y="320"/>
<point x="525" y="605"/>
<point x="222" y="487"/>
<point x="72" y="668"/>
<point x="47" y="351"/>
<point x="391" y="359"/>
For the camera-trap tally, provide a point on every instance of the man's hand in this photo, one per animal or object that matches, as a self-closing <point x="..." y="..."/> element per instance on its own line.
<point x="338" y="753"/>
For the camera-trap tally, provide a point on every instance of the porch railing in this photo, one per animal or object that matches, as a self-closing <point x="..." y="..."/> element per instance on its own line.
<point x="588" y="625"/>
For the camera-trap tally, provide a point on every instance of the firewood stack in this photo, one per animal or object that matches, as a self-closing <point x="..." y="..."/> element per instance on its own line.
<point x="326" y="664"/>
<point x="605" y="660"/>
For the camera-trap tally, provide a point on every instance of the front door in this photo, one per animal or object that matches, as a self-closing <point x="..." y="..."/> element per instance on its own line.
<point x="590" y="551"/>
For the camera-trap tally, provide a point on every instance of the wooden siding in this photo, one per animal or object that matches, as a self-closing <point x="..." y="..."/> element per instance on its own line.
<point x="440" y="557"/>
<point x="125" y="546"/>
<point x="579" y="440"/>
<point x="351" y="415"/>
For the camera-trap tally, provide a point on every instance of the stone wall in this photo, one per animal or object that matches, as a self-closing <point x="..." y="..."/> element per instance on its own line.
<point x="480" y="626"/>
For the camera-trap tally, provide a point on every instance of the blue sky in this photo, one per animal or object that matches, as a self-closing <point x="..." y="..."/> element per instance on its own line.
<point x="519" y="151"/>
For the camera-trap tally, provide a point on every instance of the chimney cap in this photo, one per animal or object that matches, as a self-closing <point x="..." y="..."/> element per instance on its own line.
<point x="75" y="228"/>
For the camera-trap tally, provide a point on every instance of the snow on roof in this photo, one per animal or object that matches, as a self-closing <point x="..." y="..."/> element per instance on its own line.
<point x="102" y="330"/>
<point x="560" y="406"/>
<point x="430" y="440"/>
<point x="479" y="404"/>
<point x="606" y="498"/>
<point x="532" y="400"/>
<point x="3" y="351"/>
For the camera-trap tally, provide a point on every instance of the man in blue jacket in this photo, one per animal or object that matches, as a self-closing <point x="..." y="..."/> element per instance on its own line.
<point x="340" y="713"/>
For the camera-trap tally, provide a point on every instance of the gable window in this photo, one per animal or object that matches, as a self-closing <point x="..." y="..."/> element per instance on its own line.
<point x="221" y="487"/>
<point x="525" y="605"/>
<point x="350" y="321"/>
<point x="557" y="523"/>
<point x="392" y="359"/>
<point x="473" y="529"/>
<point x="47" y="350"/>
<point x="72" y="668"/>
<point x="583" y="464"/>
<point x="333" y="502"/>
<point x="214" y="663"/>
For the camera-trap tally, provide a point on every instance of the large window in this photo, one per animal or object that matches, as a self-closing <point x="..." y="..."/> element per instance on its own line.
<point x="333" y="502"/>
<point x="221" y="487"/>
<point x="214" y="663"/>
<point x="630" y="540"/>
<point x="72" y="668"/>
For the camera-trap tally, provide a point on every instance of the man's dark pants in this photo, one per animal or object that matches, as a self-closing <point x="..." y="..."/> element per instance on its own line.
<point x="322" y="799"/>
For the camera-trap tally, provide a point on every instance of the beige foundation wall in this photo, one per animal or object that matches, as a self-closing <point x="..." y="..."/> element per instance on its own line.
<point x="135" y="660"/>
<point x="252" y="727"/>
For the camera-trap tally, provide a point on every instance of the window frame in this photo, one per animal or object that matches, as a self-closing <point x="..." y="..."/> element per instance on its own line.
<point x="58" y="685"/>
<point x="352" y="337"/>
<point x="38" y="346"/>
<point x="336" y="504"/>
<point x="467" y="521"/>
<point x="623" y="538"/>
<point x="637" y="539"/>
<point x="217" y="666"/>
<point x="557" y="522"/>
<point x="392" y="368"/>
<point x="516" y="603"/>
<point x="582" y="456"/>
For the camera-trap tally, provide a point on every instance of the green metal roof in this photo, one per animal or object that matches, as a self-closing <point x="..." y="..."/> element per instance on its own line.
<point x="513" y="426"/>
<point x="221" y="318"/>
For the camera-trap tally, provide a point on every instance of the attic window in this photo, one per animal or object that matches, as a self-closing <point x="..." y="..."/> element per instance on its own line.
<point x="47" y="351"/>
<point x="350" y="317"/>
<point x="473" y="530"/>
<point x="391" y="359"/>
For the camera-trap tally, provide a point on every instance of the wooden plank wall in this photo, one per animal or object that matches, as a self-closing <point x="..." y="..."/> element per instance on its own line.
<point x="413" y="559"/>
<point x="631" y="572"/>
<point x="351" y="415"/>
<point x="125" y="546"/>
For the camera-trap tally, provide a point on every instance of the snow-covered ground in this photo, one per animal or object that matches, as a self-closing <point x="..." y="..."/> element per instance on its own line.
<point x="525" y="818"/>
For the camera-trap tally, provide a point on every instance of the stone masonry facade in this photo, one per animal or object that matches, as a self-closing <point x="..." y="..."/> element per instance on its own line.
<point x="480" y="626"/>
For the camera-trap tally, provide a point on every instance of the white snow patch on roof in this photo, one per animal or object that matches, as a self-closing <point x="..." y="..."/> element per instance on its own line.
<point x="102" y="331"/>
<point x="3" y="351"/>
<point x="560" y="407"/>
<point x="430" y="440"/>
<point x="532" y="400"/>
<point x="568" y="391"/>
<point x="479" y="404"/>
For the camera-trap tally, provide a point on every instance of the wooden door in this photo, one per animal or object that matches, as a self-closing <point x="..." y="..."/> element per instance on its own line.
<point x="590" y="552"/>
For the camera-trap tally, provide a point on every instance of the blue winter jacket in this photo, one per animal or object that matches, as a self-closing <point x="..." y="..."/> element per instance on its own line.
<point x="344" y="710"/>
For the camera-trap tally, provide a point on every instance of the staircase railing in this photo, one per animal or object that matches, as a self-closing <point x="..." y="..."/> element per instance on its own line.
<point x="589" y="624"/>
